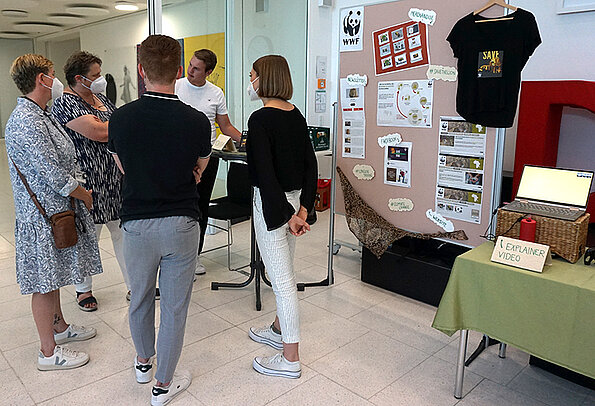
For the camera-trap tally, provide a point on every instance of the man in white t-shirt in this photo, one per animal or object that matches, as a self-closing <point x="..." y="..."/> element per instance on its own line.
<point x="204" y="96"/>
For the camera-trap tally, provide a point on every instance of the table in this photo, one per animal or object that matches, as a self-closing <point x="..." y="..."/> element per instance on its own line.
<point x="256" y="265"/>
<point x="549" y="315"/>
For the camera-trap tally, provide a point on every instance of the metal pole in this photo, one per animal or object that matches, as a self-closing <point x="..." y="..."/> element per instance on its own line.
<point x="497" y="176"/>
<point x="155" y="12"/>
<point x="502" y="350"/>
<point x="461" y="364"/>
<point x="331" y="227"/>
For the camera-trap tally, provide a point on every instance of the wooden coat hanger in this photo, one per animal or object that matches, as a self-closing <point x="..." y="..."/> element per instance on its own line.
<point x="491" y="3"/>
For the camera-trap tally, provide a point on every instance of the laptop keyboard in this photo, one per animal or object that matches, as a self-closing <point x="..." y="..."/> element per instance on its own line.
<point x="536" y="208"/>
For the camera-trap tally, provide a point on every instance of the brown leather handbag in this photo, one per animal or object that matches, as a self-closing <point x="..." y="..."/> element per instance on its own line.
<point x="63" y="223"/>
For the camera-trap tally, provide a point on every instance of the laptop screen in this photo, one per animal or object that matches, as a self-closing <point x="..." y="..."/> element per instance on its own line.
<point x="555" y="185"/>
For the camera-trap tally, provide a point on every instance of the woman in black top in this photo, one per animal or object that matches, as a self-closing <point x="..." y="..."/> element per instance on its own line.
<point x="283" y="172"/>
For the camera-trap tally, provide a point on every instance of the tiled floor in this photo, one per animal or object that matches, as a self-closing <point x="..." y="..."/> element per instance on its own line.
<point x="360" y="345"/>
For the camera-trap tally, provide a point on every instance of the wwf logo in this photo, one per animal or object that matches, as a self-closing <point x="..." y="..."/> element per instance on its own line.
<point x="352" y="23"/>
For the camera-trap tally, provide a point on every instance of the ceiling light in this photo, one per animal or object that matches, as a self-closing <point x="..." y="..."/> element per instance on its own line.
<point x="65" y="18"/>
<point x="125" y="6"/>
<point x="14" y="34"/>
<point x="15" y="13"/>
<point x="87" y="10"/>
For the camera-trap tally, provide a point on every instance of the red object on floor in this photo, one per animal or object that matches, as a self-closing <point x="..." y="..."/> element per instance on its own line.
<point x="528" y="227"/>
<point x="540" y="112"/>
<point x="323" y="195"/>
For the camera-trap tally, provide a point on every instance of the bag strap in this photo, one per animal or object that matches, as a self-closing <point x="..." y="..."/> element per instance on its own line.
<point x="33" y="196"/>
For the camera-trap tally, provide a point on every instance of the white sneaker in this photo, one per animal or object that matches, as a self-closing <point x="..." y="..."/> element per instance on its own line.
<point x="162" y="396"/>
<point x="63" y="358"/>
<point x="144" y="372"/>
<point x="75" y="333"/>
<point x="200" y="268"/>
<point x="266" y="335"/>
<point x="277" y="365"/>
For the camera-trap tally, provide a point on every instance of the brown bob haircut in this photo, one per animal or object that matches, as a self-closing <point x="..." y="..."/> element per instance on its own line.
<point x="274" y="78"/>
<point x="208" y="57"/>
<point x="79" y="63"/>
<point x="25" y="69"/>
<point x="160" y="57"/>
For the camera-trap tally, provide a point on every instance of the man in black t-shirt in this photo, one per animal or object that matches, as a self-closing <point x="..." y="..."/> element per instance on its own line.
<point x="162" y="146"/>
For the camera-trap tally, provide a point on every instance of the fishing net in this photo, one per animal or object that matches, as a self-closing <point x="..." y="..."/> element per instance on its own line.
<point x="374" y="232"/>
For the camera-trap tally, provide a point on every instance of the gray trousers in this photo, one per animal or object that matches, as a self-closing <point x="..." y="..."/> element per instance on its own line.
<point x="169" y="244"/>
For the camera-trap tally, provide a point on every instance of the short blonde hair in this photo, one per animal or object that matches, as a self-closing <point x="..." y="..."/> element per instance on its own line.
<point x="25" y="69"/>
<point x="274" y="78"/>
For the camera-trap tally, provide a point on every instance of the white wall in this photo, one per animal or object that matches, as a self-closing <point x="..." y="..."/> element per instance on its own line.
<point x="59" y="51"/>
<point x="10" y="49"/>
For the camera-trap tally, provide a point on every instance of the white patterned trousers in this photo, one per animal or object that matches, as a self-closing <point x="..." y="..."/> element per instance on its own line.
<point x="277" y="249"/>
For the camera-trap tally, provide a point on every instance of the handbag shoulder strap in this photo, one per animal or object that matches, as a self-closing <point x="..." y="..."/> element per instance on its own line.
<point x="33" y="196"/>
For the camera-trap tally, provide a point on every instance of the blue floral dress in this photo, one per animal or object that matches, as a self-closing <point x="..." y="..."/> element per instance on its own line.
<point x="98" y="167"/>
<point x="45" y="155"/>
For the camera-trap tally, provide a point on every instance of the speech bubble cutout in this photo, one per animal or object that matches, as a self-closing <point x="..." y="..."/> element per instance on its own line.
<point x="440" y="221"/>
<point x="446" y="73"/>
<point x="355" y="79"/>
<point x="424" y="16"/>
<point x="400" y="204"/>
<point x="363" y="172"/>
<point x="390" y="139"/>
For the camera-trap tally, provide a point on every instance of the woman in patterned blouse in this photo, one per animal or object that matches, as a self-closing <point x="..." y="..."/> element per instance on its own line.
<point x="44" y="154"/>
<point x="84" y="112"/>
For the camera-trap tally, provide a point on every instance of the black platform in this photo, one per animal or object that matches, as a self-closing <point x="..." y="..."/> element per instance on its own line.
<point x="411" y="267"/>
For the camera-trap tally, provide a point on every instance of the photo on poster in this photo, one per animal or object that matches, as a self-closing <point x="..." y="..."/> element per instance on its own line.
<point x="412" y="30"/>
<point x="472" y="178"/>
<point x="385" y="50"/>
<point x="383" y="38"/>
<point x="399" y="46"/>
<point x="387" y="62"/>
<point x="397" y="34"/>
<point x="400" y="59"/>
<point x="447" y="140"/>
<point x="352" y="92"/>
<point x="414" y="42"/>
<point x="416" y="55"/>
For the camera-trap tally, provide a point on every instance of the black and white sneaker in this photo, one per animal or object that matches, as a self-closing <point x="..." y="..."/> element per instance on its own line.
<point x="144" y="372"/>
<point x="162" y="396"/>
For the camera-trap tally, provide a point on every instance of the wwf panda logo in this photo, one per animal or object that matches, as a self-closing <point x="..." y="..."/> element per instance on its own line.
<point x="352" y="23"/>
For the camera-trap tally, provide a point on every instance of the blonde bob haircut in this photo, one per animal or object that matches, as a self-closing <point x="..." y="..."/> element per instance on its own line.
<point x="25" y="69"/>
<point x="274" y="78"/>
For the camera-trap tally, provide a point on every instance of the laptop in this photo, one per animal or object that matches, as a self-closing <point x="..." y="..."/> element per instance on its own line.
<point x="552" y="192"/>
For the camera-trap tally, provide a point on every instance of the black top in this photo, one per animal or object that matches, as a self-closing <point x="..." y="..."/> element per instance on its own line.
<point x="158" y="139"/>
<point x="491" y="56"/>
<point x="281" y="159"/>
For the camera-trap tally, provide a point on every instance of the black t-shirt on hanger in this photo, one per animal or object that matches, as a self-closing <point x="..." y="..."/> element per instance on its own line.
<point x="491" y="56"/>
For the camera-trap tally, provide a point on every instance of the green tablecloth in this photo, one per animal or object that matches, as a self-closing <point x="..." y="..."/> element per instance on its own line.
<point x="550" y="315"/>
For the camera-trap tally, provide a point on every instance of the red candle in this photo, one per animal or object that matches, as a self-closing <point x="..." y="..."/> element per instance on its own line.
<point x="528" y="227"/>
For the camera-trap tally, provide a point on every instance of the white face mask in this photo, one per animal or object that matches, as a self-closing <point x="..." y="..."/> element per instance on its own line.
<point x="253" y="94"/>
<point x="97" y="86"/>
<point x="57" y="87"/>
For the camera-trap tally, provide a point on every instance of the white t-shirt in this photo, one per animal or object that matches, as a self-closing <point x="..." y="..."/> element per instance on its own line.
<point x="207" y="98"/>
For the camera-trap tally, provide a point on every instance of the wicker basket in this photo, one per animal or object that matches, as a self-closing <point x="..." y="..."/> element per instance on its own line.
<point x="565" y="238"/>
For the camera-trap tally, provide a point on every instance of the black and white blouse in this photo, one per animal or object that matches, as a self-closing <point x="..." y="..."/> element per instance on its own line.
<point x="98" y="168"/>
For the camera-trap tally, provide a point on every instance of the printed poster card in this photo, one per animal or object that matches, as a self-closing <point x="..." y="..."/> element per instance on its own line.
<point x="400" y="47"/>
<point x="351" y="29"/>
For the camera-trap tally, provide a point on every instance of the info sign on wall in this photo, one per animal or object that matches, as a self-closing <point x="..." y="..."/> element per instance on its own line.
<point x="400" y="47"/>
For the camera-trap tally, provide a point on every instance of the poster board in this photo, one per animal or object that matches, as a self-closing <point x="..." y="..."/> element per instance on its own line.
<point x="420" y="185"/>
